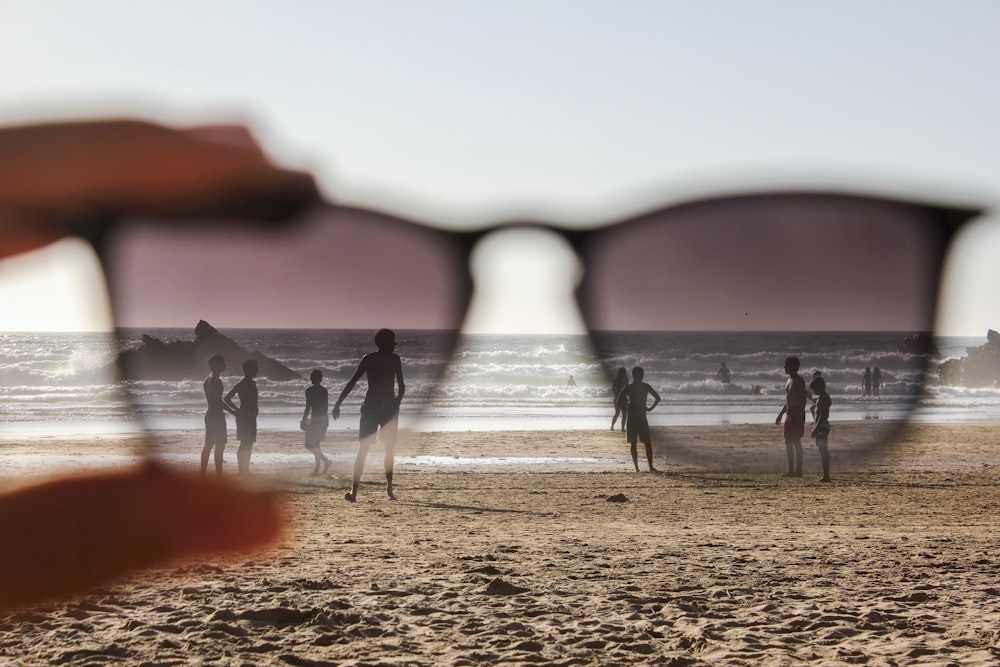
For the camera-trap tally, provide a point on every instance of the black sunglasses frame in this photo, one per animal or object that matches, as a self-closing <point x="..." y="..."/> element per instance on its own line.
<point x="279" y="217"/>
<point x="942" y="225"/>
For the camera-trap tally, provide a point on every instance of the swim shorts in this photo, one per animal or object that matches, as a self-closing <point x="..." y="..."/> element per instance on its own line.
<point x="637" y="429"/>
<point x="316" y="430"/>
<point x="216" y="432"/>
<point x="246" y="428"/>
<point x="379" y="414"/>
<point x="795" y="425"/>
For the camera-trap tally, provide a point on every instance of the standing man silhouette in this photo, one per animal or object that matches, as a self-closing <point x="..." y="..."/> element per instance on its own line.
<point x="794" y="412"/>
<point x="246" y="414"/>
<point x="216" y="431"/>
<point x="380" y="411"/>
<point x="636" y="396"/>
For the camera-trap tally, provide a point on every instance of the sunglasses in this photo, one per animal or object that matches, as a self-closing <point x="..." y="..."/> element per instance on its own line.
<point x="709" y="297"/>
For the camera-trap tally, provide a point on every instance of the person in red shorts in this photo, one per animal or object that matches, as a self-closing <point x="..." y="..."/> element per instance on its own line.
<point x="794" y="412"/>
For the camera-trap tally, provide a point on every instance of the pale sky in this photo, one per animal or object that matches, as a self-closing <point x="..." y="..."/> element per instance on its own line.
<point x="463" y="113"/>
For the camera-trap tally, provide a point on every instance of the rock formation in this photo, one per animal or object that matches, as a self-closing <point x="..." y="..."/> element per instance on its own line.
<point x="979" y="368"/>
<point x="920" y="343"/>
<point x="156" y="359"/>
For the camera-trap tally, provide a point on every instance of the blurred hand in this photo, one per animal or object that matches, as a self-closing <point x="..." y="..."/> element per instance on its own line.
<point x="67" y="535"/>
<point x="57" y="174"/>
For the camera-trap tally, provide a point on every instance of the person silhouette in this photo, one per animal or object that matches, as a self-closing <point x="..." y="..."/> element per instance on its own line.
<point x="315" y="421"/>
<point x="619" y="383"/>
<point x="380" y="410"/>
<point x="794" y="412"/>
<point x="876" y="381"/>
<point x="246" y="414"/>
<point x="812" y="406"/>
<point x="636" y="396"/>
<point x="821" y="427"/>
<point x="866" y="381"/>
<point x="216" y="431"/>
<point x="723" y="374"/>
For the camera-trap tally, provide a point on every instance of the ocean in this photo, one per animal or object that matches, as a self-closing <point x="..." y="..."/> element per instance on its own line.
<point x="64" y="383"/>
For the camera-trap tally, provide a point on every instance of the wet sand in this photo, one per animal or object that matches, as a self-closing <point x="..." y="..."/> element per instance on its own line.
<point x="508" y="548"/>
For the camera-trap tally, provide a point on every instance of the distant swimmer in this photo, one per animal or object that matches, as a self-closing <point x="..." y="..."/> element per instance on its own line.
<point x="723" y="374"/>
<point x="866" y="381"/>
<point x="756" y="390"/>
<point x="571" y="382"/>
<point x="876" y="382"/>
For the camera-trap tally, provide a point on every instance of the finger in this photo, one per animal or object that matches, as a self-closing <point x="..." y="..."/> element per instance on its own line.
<point x="21" y="235"/>
<point x="126" y="167"/>
<point x="235" y="135"/>
<point x="78" y="532"/>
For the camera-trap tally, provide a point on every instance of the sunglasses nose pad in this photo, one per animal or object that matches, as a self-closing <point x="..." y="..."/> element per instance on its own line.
<point x="524" y="358"/>
<point x="524" y="281"/>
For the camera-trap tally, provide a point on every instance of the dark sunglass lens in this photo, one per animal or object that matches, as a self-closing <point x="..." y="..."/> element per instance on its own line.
<point x="295" y="299"/>
<point x="711" y="298"/>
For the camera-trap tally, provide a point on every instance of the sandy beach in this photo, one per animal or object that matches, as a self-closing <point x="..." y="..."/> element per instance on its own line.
<point x="510" y="548"/>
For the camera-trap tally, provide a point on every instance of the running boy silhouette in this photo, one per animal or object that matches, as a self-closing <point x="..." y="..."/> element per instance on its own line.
<point x="246" y="414"/>
<point x="379" y="412"/>
<point x="635" y="395"/>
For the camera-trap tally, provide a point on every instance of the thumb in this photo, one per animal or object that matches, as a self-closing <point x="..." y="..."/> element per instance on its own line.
<point x="75" y="533"/>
